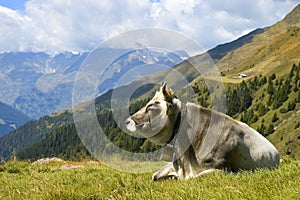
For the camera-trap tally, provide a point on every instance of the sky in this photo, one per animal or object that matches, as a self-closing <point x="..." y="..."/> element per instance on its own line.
<point x="80" y="25"/>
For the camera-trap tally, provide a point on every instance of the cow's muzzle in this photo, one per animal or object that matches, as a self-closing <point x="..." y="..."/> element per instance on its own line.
<point x="130" y="125"/>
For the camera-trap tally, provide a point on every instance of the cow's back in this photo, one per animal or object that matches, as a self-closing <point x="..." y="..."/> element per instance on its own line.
<point x="252" y="150"/>
<point x="219" y="141"/>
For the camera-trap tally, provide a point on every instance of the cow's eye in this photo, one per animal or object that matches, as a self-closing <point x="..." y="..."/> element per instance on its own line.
<point x="152" y="108"/>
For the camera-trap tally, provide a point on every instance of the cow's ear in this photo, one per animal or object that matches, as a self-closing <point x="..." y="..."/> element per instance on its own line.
<point x="167" y="92"/>
<point x="163" y="86"/>
<point x="170" y="108"/>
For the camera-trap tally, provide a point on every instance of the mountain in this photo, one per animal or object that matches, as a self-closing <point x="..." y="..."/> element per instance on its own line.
<point x="143" y="62"/>
<point x="10" y="119"/>
<point x="38" y="84"/>
<point x="221" y="50"/>
<point x="34" y="83"/>
<point x="275" y="47"/>
<point x="260" y="52"/>
<point x="267" y="98"/>
<point x="270" y="61"/>
<point x="32" y="132"/>
<point x="55" y="134"/>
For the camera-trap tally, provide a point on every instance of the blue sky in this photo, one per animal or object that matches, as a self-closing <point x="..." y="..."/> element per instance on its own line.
<point x="13" y="4"/>
<point x="79" y="25"/>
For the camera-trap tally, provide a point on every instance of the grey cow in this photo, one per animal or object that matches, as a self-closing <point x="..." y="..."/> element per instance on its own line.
<point x="198" y="140"/>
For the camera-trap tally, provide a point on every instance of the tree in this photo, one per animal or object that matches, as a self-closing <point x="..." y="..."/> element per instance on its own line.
<point x="281" y="94"/>
<point x="245" y="97"/>
<point x="294" y="68"/>
<point x="249" y="117"/>
<point x="297" y="81"/>
<point x="270" y="88"/>
<point x="261" y="109"/>
<point x="269" y="130"/>
<point x="233" y="103"/>
<point x="272" y="77"/>
<point x="263" y="80"/>
<point x="275" y="117"/>
<point x="291" y="105"/>
<point x="262" y="129"/>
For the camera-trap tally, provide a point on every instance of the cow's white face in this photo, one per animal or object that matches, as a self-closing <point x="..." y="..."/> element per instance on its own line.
<point x="156" y="120"/>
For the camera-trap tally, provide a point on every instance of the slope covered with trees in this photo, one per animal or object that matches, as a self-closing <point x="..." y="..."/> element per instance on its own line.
<point x="265" y="103"/>
<point x="10" y="119"/>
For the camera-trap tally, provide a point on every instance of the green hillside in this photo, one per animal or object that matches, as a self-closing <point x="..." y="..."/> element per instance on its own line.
<point x="10" y="119"/>
<point x="270" y="58"/>
<point x="31" y="133"/>
<point x="254" y="102"/>
<point x="21" y="180"/>
<point x="277" y="46"/>
<point x="56" y="135"/>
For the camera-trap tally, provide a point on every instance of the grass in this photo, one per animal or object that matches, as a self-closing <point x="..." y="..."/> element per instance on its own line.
<point x="21" y="180"/>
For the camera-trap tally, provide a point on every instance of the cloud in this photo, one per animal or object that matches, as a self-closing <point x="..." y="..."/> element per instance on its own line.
<point x="61" y="25"/>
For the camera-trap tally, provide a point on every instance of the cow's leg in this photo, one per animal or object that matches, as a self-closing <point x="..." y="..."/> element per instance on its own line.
<point x="207" y="171"/>
<point x="167" y="171"/>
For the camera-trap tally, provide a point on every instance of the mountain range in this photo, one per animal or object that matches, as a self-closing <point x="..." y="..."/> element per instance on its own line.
<point x="38" y="84"/>
<point x="26" y="84"/>
<point x="268" y="57"/>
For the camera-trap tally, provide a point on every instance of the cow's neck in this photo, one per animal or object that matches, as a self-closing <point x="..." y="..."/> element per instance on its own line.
<point x="182" y="109"/>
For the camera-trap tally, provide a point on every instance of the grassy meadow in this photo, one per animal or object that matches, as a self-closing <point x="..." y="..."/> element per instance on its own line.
<point x="21" y="180"/>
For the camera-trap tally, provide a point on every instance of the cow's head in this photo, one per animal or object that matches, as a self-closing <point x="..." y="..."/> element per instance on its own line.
<point x="156" y="120"/>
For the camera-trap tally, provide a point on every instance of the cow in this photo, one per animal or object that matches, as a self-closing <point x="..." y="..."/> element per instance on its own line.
<point x="199" y="140"/>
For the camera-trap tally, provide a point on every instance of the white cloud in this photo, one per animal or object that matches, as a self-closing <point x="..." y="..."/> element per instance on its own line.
<point x="60" y="25"/>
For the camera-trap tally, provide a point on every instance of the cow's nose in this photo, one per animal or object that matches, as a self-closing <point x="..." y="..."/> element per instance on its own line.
<point x="130" y="125"/>
<point x="127" y="121"/>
